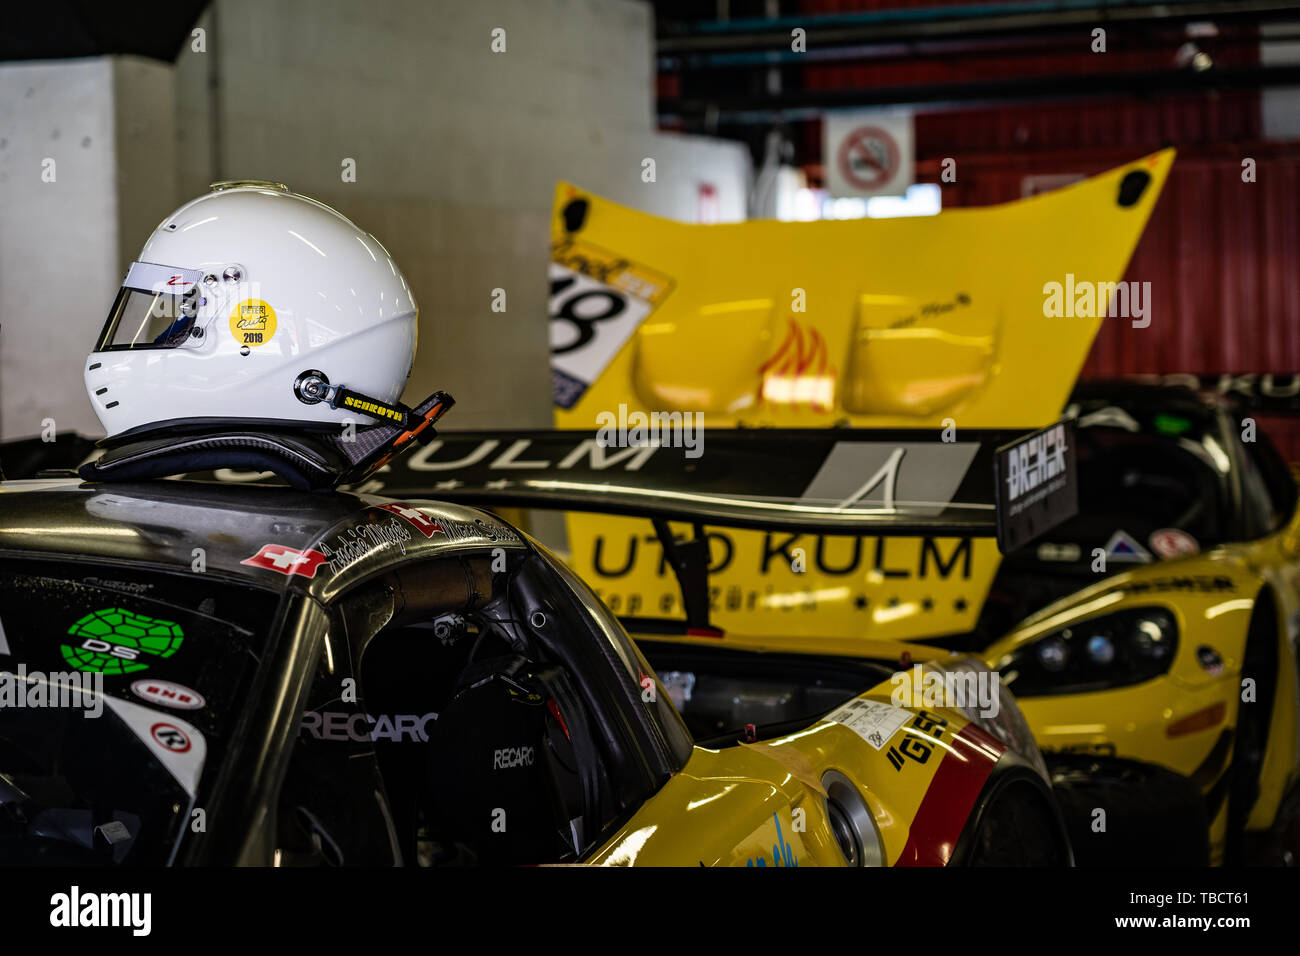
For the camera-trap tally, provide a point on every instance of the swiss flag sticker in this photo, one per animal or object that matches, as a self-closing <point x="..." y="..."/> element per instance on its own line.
<point x="423" y="523"/>
<point x="287" y="561"/>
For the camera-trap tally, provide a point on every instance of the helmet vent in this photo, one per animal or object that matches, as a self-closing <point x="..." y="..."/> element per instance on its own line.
<point x="247" y="184"/>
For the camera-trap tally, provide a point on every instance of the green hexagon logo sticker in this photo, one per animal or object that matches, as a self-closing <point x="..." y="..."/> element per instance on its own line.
<point x="118" y="641"/>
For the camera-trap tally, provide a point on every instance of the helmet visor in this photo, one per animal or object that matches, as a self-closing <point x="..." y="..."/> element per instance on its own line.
<point x="156" y="308"/>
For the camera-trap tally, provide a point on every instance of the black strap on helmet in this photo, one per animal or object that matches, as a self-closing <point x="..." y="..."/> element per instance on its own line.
<point x="312" y="387"/>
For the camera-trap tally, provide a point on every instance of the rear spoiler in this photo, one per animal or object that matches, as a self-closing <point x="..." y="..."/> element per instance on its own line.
<point x="1009" y="484"/>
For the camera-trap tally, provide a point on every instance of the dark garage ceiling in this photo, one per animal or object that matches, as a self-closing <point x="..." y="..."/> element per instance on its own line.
<point x="58" y="29"/>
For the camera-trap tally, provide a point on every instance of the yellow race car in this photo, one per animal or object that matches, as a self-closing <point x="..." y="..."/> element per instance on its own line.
<point x="1158" y="663"/>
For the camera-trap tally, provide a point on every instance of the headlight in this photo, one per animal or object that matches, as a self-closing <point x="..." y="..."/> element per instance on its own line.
<point x="1113" y="650"/>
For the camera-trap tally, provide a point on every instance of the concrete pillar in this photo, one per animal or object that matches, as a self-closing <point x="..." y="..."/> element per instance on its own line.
<point x="87" y="169"/>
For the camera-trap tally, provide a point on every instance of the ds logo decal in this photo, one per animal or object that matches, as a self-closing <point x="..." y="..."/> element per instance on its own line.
<point x="117" y="641"/>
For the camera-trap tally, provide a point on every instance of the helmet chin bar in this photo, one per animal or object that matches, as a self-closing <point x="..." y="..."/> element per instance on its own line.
<point x="306" y="459"/>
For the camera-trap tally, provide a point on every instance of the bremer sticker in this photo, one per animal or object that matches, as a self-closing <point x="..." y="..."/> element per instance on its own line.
<point x="1173" y="543"/>
<point x="252" y="322"/>
<point x="167" y="694"/>
<point x="287" y="561"/>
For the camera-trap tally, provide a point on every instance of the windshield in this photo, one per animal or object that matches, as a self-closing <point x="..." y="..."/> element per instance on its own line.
<point x="118" y="692"/>
<point x="1142" y="474"/>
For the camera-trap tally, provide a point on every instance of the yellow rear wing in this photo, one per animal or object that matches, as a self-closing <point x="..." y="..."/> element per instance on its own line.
<point x="982" y="315"/>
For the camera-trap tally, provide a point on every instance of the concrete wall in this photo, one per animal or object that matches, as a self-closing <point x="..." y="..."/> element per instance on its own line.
<point x="105" y="124"/>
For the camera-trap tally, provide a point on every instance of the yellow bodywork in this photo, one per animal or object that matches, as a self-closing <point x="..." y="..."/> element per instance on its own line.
<point x="796" y="592"/>
<point x="762" y="804"/>
<point x="777" y="609"/>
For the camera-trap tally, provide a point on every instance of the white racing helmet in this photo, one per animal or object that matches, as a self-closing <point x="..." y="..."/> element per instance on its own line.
<point x="234" y="296"/>
<point x="253" y="308"/>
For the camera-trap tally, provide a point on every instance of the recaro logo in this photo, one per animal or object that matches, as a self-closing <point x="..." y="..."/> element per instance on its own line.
<point x="509" y="757"/>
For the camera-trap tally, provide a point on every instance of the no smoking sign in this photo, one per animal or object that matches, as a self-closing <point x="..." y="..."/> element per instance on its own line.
<point x="868" y="154"/>
<point x="868" y="158"/>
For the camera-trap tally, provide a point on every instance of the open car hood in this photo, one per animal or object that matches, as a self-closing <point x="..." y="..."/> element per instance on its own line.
<point x="891" y="323"/>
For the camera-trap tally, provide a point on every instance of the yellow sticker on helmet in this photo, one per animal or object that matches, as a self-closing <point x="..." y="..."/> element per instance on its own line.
<point x="252" y="322"/>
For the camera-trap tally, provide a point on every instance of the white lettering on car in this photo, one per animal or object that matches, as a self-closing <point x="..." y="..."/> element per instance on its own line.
<point x="509" y="757"/>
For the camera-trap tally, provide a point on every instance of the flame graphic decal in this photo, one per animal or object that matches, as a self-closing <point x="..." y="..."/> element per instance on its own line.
<point x="799" y="373"/>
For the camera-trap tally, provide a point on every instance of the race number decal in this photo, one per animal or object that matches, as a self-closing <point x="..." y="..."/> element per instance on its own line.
<point x="597" y="300"/>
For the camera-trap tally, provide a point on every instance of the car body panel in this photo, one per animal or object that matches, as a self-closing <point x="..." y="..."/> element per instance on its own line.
<point x="920" y="810"/>
<point x="162" y="523"/>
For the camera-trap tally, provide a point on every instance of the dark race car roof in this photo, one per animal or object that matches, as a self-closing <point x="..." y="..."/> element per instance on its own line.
<point x="271" y="537"/>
